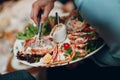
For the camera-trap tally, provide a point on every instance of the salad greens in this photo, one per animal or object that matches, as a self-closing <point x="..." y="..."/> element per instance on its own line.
<point x="32" y="30"/>
<point x="46" y="28"/>
<point x="29" y="32"/>
<point x="68" y="51"/>
<point x="94" y="44"/>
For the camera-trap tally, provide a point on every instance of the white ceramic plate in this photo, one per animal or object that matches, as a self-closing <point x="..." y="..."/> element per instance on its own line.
<point x="16" y="64"/>
<point x="18" y="46"/>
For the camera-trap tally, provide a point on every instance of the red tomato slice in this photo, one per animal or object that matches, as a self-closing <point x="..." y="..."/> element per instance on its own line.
<point x="66" y="46"/>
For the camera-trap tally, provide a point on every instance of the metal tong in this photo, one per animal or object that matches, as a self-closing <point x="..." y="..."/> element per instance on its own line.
<point x="56" y="23"/>
<point x="57" y="18"/>
<point x="39" y="25"/>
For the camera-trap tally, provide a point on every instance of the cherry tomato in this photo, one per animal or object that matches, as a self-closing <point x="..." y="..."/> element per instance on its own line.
<point x="66" y="46"/>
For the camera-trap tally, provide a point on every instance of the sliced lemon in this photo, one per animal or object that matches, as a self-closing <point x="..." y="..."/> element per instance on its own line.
<point x="47" y="58"/>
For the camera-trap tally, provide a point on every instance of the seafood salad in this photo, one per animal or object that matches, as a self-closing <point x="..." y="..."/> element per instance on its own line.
<point x="79" y="40"/>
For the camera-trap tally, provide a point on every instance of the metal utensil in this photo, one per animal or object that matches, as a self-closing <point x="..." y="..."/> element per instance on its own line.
<point x="56" y="23"/>
<point x="39" y="30"/>
<point x="57" y="19"/>
<point x="39" y="25"/>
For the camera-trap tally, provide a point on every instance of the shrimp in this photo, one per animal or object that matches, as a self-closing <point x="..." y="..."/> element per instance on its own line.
<point x="78" y="33"/>
<point x="28" y="42"/>
<point x="80" y="41"/>
<point x="71" y="37"/>
<point x="82" y="53"/>
<point x="81" y="26"/>
<point x="66" y="60"/>
<point x="51" y="64"/>
<point x="81" y="46"/>
<point x="78" y="25"/>
<point x="41" y="51"/>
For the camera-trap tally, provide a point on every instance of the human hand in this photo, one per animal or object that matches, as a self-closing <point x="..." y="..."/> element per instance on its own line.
<point x="45" y="5"/>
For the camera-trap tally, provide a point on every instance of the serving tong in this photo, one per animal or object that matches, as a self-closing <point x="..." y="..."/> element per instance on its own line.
<point x="39" y="25"/>
<point x="57" y="21"/>
<point x="39" y="35"/>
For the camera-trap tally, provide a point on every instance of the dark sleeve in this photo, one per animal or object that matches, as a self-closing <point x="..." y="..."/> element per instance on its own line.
<point x="17" y="75"/>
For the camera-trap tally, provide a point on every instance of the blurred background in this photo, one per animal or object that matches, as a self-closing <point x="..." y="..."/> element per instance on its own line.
<point x="14" y="16"/>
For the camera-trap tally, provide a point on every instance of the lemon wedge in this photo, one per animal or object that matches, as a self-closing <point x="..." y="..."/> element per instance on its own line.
<point x="47" y="58"/>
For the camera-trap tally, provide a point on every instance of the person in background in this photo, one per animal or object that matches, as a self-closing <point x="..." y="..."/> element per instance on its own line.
<point x="105" y="16"/>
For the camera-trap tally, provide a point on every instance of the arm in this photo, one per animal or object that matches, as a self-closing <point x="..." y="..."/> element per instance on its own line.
<point x="105" y="16"/>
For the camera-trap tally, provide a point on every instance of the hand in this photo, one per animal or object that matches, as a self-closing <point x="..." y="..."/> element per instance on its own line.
<point x="45" y="5"/>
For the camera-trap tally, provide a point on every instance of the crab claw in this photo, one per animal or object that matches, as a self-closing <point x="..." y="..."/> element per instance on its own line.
<point x="55" y="52"/>
<point x="28" y="42"/>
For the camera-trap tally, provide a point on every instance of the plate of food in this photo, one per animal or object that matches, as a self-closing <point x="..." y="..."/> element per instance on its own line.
<point x="65" y="43"/>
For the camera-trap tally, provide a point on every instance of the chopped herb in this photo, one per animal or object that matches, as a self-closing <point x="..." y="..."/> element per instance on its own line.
<point x="76" y="57"/>
<point x="68" y="50"/>
<point x="93" y="34"/>
<point x="93" y="45"/>
<point x="66" y="54"/>
<point x="77" y="52"/>
<point x="61" y="47"/>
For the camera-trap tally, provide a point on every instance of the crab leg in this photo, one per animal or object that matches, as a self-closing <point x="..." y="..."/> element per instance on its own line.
<point x="55" y="52"/>
<point x="74" y="50"/>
